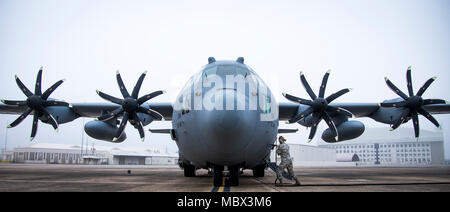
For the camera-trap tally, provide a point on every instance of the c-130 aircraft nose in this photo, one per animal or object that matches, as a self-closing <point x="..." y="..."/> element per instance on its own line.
<point x="228" y="131"/>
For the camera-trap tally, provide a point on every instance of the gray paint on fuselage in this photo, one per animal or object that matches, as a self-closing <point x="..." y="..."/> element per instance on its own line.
<point x="224" y="137"/>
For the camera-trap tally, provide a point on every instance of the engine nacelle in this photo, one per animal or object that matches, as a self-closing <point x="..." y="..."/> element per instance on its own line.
<point x="61" y="114"/>
<point x="103" y="131"/>
<point x="346" y="131"/>
<point x="388" y="115"/>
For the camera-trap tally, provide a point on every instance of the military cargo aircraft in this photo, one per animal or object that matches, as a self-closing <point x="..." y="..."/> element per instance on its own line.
<point x="225" y="118"/>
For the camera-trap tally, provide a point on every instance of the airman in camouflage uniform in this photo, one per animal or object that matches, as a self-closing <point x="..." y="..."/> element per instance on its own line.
<point x="286" y="161"/>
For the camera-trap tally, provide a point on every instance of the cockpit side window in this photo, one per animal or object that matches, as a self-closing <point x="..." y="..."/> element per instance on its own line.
<point x="210" y="71"/>
<point x="242" y="71"/>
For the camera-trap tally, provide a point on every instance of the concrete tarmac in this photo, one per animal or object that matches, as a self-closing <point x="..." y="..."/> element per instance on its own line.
<point x="83" y="178"/>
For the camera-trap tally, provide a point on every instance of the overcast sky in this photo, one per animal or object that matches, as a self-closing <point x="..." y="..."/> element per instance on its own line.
<point x="86" y="41"/>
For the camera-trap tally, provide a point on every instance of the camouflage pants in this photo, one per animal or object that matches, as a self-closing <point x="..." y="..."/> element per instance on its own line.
<point x="286" y="164"/>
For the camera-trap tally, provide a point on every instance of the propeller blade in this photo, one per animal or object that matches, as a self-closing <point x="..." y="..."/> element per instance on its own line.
<point x="149" y="96"/>
<point x="154" y="114"/>
<point x="331" y="125"/>
<point x="16" y="103"/>
<point x="395" y="89"/>
<point x="50" y="119"/>
<point x="324" y="84"/>
<point x="425" y="86"/>
<point x="340" y="111"/>
<point x="428" y="116"/>
<point x="111" y="115"/>
<point x="336" y="95"/>
<point x="415" y="119"/>
<point x="23" y="88"/>
<point x="35" y="125"/>
<point x="139" y="126"/>
<point x="122" y="87"/>
<point x="301" y="115"/>
<point x="109" y="98"/>
<point x="50" y="90"/>
<point x="20" y="118"/>
<point x="56" y="103"/>
<point x="307" y="87"/>
<point x="138" y="86"/>
<point x="312" y="132"/>
<point x="298" y="100"/>
<point x="37" y="89"/>
<point x="393" y="104"/>
<point x="413" y="104"/>
<point x="401" y="119"/>
<point x="409" y="81"/>
<point x="122" y="126"/>
<point x="433" y="101"/>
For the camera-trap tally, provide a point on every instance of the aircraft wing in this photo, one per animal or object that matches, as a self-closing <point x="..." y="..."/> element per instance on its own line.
<point x="8" y="109"/>
<point x="348" y="129"/>
<point x="90" y="110"/>
<point x="94" y="110"/>
<point x="438" y="109"/>
<point x="288" y="110"/>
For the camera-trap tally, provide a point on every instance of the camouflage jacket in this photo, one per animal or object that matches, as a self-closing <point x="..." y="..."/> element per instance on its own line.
<point x="283" y="152"/>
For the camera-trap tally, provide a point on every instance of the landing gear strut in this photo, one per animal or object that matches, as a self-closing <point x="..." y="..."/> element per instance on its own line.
<point x="218" y="175"/>
<point x="232" y="178"/>
<point x="234" y="175"/>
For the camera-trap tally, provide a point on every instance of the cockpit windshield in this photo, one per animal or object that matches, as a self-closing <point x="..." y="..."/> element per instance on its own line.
<point x="231" y="70"/>
<point x="224" y="77"/>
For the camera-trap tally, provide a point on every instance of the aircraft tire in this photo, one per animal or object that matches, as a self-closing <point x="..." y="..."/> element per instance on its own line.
<point x="189" y="170"/>
<point x="259" y="170"/>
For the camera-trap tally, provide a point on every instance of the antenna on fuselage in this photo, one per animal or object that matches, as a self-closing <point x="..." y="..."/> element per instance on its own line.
<point x="240" y="60"/>
<point x="211" y="60"/>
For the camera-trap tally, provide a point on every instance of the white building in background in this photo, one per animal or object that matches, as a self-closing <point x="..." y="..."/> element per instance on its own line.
<point x="6" y="156"/>
<point x="72" y="154"/>
<point x="47" y="153"/>
<point x="398" y="147"/>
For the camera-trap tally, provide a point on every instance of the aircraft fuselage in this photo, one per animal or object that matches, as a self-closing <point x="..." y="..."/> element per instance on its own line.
<point x="223" y="116"/>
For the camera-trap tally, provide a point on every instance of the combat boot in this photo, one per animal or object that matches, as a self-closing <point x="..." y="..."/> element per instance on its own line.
<point x="279" y="179"/>
<point x="297" y="182"/>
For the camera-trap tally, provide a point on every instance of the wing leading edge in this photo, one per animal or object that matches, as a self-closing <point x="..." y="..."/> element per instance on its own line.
<point x="91" y="110"/>
<point x="288" y="110"/>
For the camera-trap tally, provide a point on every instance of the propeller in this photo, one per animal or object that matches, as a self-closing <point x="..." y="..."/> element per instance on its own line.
<point x="36" y="103"/>
<point x="319" y="106"/>
<point x="130" y="106"/>
<point x="412" y="105"/>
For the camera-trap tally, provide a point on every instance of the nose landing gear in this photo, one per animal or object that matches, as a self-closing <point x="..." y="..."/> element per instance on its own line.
<point x="218" y="176"/>
<point x="229" y="178"/>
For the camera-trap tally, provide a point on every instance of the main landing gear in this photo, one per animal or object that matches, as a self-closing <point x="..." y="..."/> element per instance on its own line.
<point x="189" y="170"/>
<point x="258" y="171"/>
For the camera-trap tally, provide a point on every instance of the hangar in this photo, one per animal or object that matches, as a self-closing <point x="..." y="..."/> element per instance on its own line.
<point x="51" y="153"/>
<point x="349" y="157"/>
